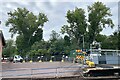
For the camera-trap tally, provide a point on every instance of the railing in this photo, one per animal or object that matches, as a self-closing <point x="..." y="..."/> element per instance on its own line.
<point x="43" y="72"/>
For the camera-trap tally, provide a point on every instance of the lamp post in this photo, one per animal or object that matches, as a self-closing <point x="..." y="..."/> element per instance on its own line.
<point x="118" y="28"/>
<point x="118" y="36"/>
<point x="83" y="41"/>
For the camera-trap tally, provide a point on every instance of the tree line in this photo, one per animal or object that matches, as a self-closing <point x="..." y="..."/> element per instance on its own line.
<point x="79" y="32"/>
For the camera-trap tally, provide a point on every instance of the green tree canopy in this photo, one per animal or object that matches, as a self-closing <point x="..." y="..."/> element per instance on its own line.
<point x="99" y="18"/>
<point x="54" y="36"/>
<point x="10" y="48"/>
<point x="27" y="25"/>
<point x="39" y="48"/>
<point x="67" y="41"/>
<point x="76" y="24"/>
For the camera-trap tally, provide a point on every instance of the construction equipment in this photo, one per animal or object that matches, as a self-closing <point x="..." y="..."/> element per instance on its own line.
<point x="90" y="63"/>
<point x="78" y="56"/>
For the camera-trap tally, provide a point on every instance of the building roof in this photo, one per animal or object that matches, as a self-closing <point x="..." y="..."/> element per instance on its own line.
<point x="2" y="38"/>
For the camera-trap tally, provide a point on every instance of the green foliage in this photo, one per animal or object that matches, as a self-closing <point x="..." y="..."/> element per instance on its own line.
<point x="40" y="45"/>
<point x="38" y="35"/>
<point x="98" y="18"/>
<point x="39" y="48"/>
<point x="20" y="43"/>
<point x="100" y="38"/>
<point x="77" y="24"/>
<point x="54" y="36"/>
<point x="10" y="48"/>
<point x="27" y="25"/>
<point x="108" y="42"/>
<point x="113" y="40"/>
<point x="67" y="41"/>
<point x="24" y="22"/>
<point x="57" y="43"/>
<point x="57" y="46"/>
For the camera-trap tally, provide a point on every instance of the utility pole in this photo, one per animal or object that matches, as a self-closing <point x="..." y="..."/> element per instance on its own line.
<point x="118" y="28"/>
<point x="118" y="36"/>
<point x="83" y="41"/>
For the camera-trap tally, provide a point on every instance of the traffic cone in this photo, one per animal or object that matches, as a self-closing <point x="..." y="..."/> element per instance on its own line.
<point x="62" y="60"/>
<point x="40" y="60"/>
<point x="31" y="61"/>
<point x="50" y="60"/>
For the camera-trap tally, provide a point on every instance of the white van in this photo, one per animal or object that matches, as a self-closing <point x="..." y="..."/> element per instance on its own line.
<point x="17" y="58"/>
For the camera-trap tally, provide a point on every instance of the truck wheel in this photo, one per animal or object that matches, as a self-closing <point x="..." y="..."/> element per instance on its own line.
<point x="21" y="60"/>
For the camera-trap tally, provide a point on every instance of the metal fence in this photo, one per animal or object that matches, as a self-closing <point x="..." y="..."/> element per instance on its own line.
<point x="107" y="57"/>
<point x="43" y="72"/>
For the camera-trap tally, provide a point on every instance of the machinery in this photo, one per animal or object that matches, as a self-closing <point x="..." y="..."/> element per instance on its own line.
<point x="90" y="63"/>
<point x="77" y="56"/>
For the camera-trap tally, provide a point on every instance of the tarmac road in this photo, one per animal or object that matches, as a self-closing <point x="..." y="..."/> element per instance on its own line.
<point x="37" y="69"/>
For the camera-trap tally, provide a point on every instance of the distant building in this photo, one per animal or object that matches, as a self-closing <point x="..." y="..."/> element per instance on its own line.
<point x="2" y="43"/>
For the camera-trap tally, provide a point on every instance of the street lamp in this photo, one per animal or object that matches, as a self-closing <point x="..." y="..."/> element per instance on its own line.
<point x="83" y="40"/>
<point x="118" y="28"/>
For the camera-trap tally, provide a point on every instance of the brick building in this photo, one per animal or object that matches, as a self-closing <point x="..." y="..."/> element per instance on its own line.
<point x="2" y="42"/>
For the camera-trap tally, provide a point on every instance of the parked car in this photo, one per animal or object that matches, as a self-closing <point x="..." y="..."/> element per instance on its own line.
<point x="16" y="58"/>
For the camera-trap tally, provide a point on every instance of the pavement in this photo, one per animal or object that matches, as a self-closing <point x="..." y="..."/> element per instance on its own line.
<point x="40" y="69"/>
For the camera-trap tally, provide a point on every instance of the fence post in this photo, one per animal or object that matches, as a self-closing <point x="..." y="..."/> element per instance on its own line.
<point x="56" y="73"/>
<point x="31" y="73"/>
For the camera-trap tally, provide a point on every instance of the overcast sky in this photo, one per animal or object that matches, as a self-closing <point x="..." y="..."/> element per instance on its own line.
<point x="55" y="11"/>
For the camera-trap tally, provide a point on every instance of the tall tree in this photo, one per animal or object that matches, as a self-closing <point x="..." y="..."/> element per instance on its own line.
<point x="77" y="24"/>
<point x="57" y="43"/>
<point x="54" y="36"/>
<point x="99" y="18"/>
<point x="27" y="25"/>
<point x="67" y="40"/>
<point x="111" y="42"/>
<point x="39" y="48"/>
